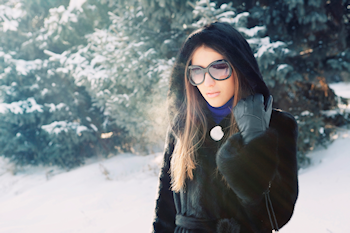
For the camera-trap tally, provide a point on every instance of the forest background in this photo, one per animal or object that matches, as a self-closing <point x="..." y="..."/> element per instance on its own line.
<point x="89" y="78"/>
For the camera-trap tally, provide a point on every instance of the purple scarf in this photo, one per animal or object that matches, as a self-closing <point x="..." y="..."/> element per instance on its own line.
<point x="220" y="113"/>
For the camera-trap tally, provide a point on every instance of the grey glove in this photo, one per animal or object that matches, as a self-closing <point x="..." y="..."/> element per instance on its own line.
<point x="251" y="116"/>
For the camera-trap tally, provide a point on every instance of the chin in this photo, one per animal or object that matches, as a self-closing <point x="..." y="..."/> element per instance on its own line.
<point x="215" y="104"/>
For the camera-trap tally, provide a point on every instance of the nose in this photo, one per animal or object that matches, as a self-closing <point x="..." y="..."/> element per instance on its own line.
<point x="208" y="80"/>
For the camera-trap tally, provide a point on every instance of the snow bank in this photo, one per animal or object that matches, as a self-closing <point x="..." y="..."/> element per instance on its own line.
<point x="323" y="205"/>
<point x="342" y="89"/>
<point x="104" y="196"/>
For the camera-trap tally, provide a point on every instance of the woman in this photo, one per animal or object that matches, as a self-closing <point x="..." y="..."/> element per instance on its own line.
<point x="230" y="160"/>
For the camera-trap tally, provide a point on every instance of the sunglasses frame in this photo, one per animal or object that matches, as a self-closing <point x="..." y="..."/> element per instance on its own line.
<point x="206" y="70"/>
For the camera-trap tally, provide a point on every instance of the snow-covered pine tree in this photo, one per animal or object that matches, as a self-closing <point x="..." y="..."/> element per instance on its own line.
<point x="43" y="116"/>
<point x="127" y="74"/>
<point x="47" y="118"/>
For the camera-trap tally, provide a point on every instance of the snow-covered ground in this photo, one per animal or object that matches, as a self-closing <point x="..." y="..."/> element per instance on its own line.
<point x="341" y="89"/>
<point x="323" y="205"/>
<point x="118" y="194"/>
<point x="114" y="195"/>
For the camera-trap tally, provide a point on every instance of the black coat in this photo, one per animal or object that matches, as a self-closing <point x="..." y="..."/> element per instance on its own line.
<point x="226" y="194"/>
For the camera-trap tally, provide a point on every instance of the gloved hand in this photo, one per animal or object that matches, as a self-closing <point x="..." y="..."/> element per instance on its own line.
<point x="251" y="116"/>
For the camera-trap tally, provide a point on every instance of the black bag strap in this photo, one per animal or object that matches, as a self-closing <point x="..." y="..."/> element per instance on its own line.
<point x="268" y="206"/>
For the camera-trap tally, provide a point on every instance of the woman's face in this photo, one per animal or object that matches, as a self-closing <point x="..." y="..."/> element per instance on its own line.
<point x="216" y="93"/>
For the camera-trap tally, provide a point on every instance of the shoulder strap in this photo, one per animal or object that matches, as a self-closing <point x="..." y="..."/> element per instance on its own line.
<point x="268" y="206"/>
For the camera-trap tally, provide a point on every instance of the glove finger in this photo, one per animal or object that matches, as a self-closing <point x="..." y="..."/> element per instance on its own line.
<point x="249" y="105"/>
<point x="239" y="109"/>
<point x="269" y="104"/>
<point x="268" y="110"/>
<point x="258" y="105"/>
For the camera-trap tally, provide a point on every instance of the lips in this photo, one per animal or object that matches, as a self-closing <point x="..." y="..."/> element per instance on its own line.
<point x="213" y="94"/>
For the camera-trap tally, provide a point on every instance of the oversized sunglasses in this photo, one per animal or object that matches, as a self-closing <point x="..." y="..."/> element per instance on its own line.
<point x="218" y="70"/>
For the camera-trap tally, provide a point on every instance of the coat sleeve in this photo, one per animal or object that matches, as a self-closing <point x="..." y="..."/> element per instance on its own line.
<point x="165" y="212"/>
<point x="268" y="159"/>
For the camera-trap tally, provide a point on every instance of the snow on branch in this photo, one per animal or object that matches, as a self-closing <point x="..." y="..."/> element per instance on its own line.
<point x="21" y="107"/>
<point x="57" y="127"/>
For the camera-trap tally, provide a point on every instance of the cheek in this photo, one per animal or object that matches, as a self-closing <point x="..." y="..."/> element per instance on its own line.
<point x="201" y="89"/>
<point x="229" y="87"/>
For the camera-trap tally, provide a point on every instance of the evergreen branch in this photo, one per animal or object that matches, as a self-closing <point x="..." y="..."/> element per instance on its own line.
<point x="191" y="4"/>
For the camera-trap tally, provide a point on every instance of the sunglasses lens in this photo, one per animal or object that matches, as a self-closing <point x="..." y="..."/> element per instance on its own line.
<point x="197" y="75"/>
<point x="220" y="70"/>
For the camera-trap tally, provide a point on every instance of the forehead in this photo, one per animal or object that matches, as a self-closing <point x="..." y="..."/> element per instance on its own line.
<point x="203" y="56"/>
